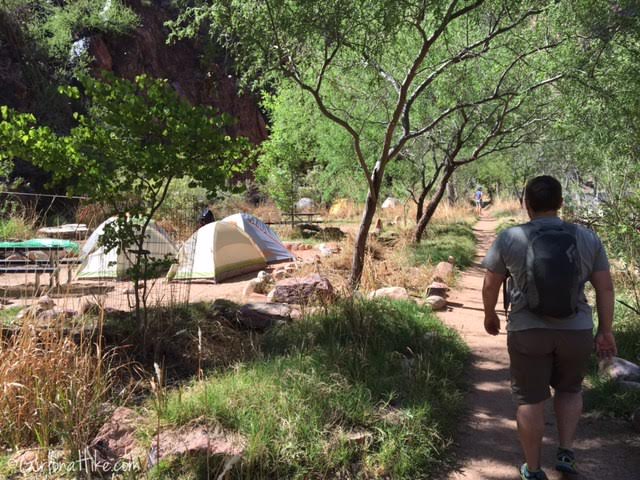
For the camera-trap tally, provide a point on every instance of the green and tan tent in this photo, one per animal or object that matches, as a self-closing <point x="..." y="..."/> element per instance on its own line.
<point x="99" y="263"/>
<point x="217" y="251"/>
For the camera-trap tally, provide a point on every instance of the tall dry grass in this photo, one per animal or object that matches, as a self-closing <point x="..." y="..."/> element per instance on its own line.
<point x="385" y="266"/>
<point x="458" y="212"/>
<point x="53" y="388"/>
<point x="508" y="207"/>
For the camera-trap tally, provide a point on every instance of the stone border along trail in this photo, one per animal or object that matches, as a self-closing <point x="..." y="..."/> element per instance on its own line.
<point x="487" y="446"/>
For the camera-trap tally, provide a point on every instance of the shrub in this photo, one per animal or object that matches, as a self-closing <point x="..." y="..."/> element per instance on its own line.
<point x="605" y="395"/>
<point x="53" y="388"/>
<point x="390" y="372"/>
<point x="444" y="240"/>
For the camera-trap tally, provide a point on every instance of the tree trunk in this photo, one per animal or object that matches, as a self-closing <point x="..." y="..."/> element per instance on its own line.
<point x="420" y="204"/>
<point x="433" y="205"/>
<point x="426" y="189"/>
<point x="451" y="193"/>
<point x="357" y="263"/>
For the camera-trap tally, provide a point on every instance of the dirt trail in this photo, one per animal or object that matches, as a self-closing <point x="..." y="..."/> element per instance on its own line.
<point x="488" y="447"/>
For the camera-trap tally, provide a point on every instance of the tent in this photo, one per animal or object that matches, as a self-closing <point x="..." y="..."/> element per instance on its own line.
<point x="391" y="202"/>
<point x="100" y="263"/>
<point x="217" y="251"/>
<point x="342" y="207"/>
<point x="305" y="205"/>
<point x="265" y="239"/>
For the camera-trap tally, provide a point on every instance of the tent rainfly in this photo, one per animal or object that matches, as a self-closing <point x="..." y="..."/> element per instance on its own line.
<point x="265" y="239"/>
<point x="305" y="204"/>
<point x="100" y="263"/>
<point x="391" y="202"/>
<point x="217" y="251"/>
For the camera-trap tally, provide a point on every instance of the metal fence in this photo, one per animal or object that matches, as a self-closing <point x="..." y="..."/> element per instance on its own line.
<point x="82" y="272"/>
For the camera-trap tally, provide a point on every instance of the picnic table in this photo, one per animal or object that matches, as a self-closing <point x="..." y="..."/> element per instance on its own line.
<point x="25" y="261"/>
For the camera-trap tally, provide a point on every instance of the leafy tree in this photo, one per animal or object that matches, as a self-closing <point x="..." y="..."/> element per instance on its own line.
<point x="55" y="27"/>
<point x="374" y="69"/>
<point x="136" y="138"/>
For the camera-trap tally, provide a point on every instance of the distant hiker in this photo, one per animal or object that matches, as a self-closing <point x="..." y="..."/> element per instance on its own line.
<point x="477" y="197"/>
<point x="549" y="329"/>
<point x="206" y="217"/>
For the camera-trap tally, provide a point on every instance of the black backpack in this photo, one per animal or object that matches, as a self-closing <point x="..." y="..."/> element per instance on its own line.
<point x="553" y="270"/>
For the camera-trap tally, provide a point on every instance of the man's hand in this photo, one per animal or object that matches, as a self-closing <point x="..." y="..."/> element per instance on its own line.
<point x="490" y="291"/>
<point x="492" y="323"/>
<point x="606" y="344"/>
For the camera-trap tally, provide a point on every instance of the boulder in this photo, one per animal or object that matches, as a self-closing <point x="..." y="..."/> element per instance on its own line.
<point x="332" y="233"/>
<point x="328" y="249"/>
<point x="378" y="228"/>
<point x="303" y="290"/>
<point x="279" y="274"/>
<point x="438" y="289"/>
<point x="33" y="460"/>
<point x="264" y="277"/>
<point x="89" y="306"/>
<point x="48" y="316"/>
<point x="46" y="303"/>
<point x="262" y="315"/>
<point x="15" y="257"/>
<point x="619" y="369"/>
<point x="436" y="302"/>
<point x="117" y="442"/>
<point x="444" y="273"/>
<point x="393" y="293"/>
<point x="250" y="287"/>
<point x="195" y="440"/>
<point x="635" y="420"/>
<point x="37" y="255"/>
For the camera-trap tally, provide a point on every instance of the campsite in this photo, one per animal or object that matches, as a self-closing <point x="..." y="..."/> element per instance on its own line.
<point x="319" y="240"/>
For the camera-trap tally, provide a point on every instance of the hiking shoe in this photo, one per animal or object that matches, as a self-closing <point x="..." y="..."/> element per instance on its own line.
<point x="526" y="474"/>
<point x="566" y="461"/>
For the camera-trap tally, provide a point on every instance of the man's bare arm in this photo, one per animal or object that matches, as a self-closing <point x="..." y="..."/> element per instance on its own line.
<point x="605" y="301"/>
<point x="490" y="292"/>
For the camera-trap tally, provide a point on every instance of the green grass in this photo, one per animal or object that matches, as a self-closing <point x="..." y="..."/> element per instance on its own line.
<point x="506" y="223"/>
<point x="443" y="240"/>
<point x="8" y="316"/>
<point x="604" y="395"/>
<point x="15" y="228"/>
<point x="508" y="213"/>
<point x="392" y="371"/>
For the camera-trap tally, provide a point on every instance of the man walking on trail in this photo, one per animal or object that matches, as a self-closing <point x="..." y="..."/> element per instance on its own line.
<point x="549" y="329"/>
<point x="478" y="200"/>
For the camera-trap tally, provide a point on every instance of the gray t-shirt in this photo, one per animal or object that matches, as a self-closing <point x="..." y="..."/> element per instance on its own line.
<point x="509" y="253"/>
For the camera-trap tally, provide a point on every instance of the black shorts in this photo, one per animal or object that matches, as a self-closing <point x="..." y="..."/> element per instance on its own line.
<point x="542" y="357"/>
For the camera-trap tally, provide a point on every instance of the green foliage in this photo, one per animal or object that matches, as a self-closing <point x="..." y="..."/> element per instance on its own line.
<point x="470" y="77"/>
<point x="305" y="154"/>
<point x="15" y="228"/>
<point x="605" y="395"/>
<point x="136" y="138"/>
<point x="389" y="370"/>
<point x="134" y="141"/>
<point x="54" y="27"/>
<point x="444" y="240"/>
<point x="8" y="316"/>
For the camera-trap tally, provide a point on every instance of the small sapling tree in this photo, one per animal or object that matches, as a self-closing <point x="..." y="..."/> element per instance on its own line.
<point x="132" y="141"/>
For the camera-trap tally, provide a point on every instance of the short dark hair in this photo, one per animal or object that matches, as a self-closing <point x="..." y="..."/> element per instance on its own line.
<point x="543" y="193"/>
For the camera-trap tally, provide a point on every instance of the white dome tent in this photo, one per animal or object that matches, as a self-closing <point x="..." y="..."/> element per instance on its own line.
<point x="305" y="204"/>
<point x="217" y="251"/>
<point x="265" y="239"/>
<point x="391" y="202"/>
<point x="99" y="263"/>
